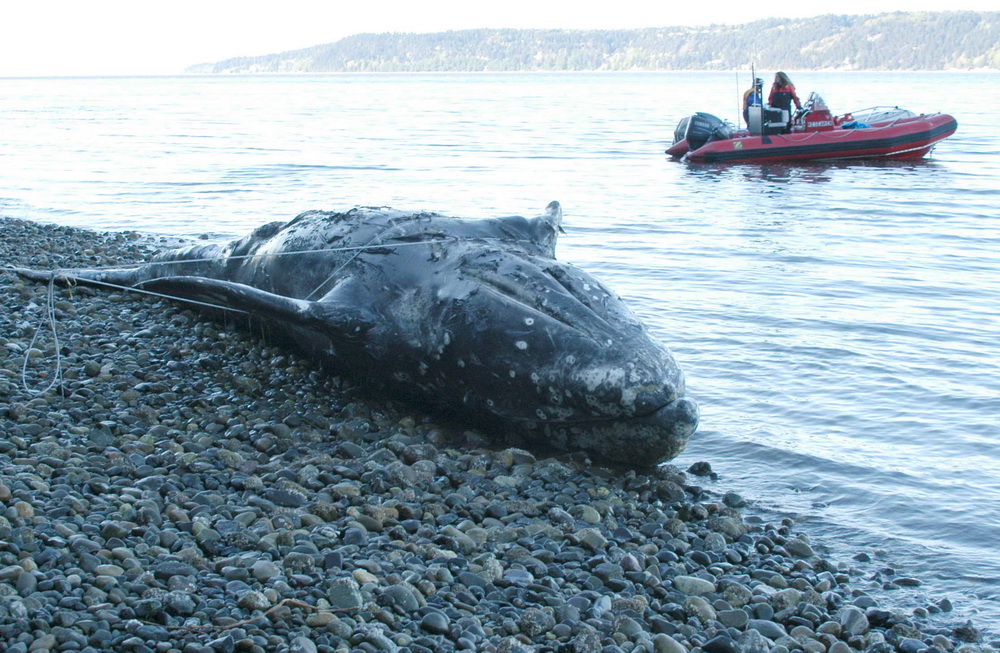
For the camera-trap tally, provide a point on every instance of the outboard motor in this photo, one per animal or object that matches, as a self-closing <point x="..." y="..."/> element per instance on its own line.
<point x="681" y="130"/>
<point x="704" y="128"/>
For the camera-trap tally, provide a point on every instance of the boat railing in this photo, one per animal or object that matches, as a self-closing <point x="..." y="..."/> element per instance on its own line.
<point x="881" y="114"/>
<point x="884" y="107"/>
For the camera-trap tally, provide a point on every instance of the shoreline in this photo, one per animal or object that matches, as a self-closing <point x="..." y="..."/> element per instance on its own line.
<point x="345" y="73"/>
<point x="193" y="475"/>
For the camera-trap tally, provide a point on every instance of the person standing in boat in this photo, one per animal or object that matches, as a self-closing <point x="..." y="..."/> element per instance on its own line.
<point x="783" y="93"/>
<point x="752" y="98"/>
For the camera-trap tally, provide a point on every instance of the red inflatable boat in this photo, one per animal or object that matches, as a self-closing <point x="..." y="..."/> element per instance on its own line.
<point x="812" y="135"/>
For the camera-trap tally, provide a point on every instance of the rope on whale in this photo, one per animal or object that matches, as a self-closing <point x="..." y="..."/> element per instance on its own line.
<point x="60" y="274"/>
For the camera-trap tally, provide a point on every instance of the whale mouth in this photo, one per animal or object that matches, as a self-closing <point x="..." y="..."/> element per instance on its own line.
<point x="643" y="441"/>
<point x="679" y="418"/>
<point x="638" y="441"/>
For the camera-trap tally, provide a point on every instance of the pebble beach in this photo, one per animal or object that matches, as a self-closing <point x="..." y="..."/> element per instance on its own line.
<point x="174" y="483"/>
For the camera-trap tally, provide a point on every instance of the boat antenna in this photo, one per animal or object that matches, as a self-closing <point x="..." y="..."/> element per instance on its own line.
<point x="739" y="109"/>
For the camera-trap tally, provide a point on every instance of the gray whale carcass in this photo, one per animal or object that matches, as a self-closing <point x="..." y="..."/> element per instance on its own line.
<point x="474" y="315"/>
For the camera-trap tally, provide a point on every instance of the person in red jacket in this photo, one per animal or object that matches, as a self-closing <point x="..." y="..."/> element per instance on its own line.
<point x="783" y="93"/>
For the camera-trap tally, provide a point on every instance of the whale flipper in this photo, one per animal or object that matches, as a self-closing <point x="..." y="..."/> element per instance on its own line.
<point x="349" y="320"/>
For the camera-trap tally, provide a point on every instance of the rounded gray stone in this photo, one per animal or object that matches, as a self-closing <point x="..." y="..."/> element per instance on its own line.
<point x="401" y="598"/>
<point x="436" y="622"/>
<point x="666" y="644"/>
<point x="767" y="628"/>
<point x="692" y="585"/>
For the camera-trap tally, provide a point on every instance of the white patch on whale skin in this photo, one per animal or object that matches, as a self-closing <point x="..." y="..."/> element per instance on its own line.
<point x="594" y="377"/>
<point x="513" y="374"/>
<point x="520" y="344"/>
<point x="529" y="321"/>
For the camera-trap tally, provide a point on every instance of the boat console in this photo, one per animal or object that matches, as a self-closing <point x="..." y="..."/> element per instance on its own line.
<point x="767" y="120"/>
<point x="815" y="115"/>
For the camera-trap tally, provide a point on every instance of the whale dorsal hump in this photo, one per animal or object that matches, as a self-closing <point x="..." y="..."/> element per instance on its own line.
<point x="547" y="227"/>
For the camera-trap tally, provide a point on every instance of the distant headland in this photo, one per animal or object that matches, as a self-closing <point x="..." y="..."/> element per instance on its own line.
<point x="949" y="40"/>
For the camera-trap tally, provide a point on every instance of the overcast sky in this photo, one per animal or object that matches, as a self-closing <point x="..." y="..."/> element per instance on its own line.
<point x="143" y="37"/>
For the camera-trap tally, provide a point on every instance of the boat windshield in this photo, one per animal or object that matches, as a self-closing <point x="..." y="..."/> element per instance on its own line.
<point x="815" y="103"/>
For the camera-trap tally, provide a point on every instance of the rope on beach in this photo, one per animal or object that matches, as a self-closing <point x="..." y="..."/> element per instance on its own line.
<point x="50" y="316"/>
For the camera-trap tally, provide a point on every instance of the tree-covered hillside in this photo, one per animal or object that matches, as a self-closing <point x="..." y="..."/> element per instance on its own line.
<point x="897" y="41"/>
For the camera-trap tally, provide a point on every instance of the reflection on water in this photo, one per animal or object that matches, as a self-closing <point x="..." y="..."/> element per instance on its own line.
<point x="769" y="172"/>
<point x="812" y="172"/>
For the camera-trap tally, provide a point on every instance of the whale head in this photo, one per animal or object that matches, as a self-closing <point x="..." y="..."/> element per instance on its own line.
<point x="516" y="338"/>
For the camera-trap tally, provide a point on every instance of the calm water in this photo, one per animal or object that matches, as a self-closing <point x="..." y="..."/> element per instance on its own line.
<point x="838" y="323"/>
